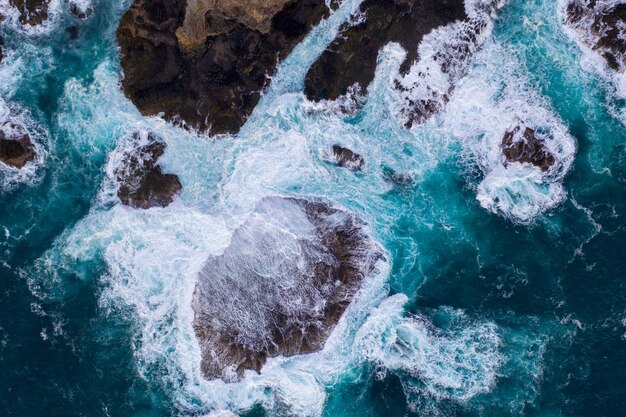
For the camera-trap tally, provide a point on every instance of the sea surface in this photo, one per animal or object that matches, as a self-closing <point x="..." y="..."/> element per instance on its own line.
<point x="501" y="293"/>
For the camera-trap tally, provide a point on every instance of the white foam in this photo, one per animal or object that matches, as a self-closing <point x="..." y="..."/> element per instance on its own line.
<point x="12" y="16"/>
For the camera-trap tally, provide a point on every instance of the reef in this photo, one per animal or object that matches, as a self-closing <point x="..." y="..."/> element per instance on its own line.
<point x="204" y="63"/>
<point x="523" y="144"/>
<point x="281" y="286"/>
<point x="347" y="158"/>
<point x="600" y="26"/>
<point x="142" y="184"/>
<point x="32" y="12"/>
<point x="16" y="147"/>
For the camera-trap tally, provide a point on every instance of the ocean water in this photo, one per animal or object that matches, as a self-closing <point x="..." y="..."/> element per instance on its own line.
<point x="501" y="293"/>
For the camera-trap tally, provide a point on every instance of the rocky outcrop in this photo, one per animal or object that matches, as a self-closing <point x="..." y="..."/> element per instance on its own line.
<point x="601" y="26"/>
<point x="1" y="49"/>
<point x="290" y="272"/>
<point x="81" y="11"/>
<point x="351" y="58"/>
<point x="523" y="144"/>
<point x="32" y="12"/>
<point x="16" y="147"/>
<point x="346" y="158"/>
<point x="142" y="184"/>
<point x="205" y="62"/>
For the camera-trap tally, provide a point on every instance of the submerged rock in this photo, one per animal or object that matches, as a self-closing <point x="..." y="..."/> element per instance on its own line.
<point x="142" y="184"/>
<point x="32" y="12"/>
<point x="601" y="26"/>
<point x="281" y="286"/>
<point x="351" y="58"/>
<point x="16" y="147"/>
<point x="346" y="158"/>
<point x="206" y="61"/>
<point x="522" y="144"/>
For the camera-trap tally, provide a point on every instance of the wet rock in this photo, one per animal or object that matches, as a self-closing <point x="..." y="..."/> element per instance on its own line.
<point x="206" y="62"/>
<point x="74" y="32"/>
<point x="351" y="58"/>
<point x="32" y="12"/>
<point x="281" y="286"/>
<point x="346" y="158"/>
<point x="601" y="26"/>
<point x="80" y="11"/>
<point x="1" y="50"/>
<point x="142" y="184"/>
<point x="16" y="147"/>
<point x="522" y="144"/>
<point x="397" y="179"/>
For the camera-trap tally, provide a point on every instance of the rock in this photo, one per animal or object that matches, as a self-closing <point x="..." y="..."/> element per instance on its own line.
<point x="346" y="158"/>
<point x="1" y="51"/>
<point x="397" y="179"/>
<point x="601" y="26"/>
<point x="281" y="286"/>
<point x="522" y="144"/>
<point x="351" y="58"/>
<point x="74" y="32"/>
<point x="141" y="182"/>
<point x="81" y="11"/>
<point x="16" y="147"/>
<point x="32" y="12"/>
<point x="205" y="62"/>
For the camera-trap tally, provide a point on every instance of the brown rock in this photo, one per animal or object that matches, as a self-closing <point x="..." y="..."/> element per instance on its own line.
<point x="16" y="147"/>
<point x="208" y="73"/>
<point x="80" y="12"/>
<point x="522" y="144"/>
<point x="271" y="293"/>
<point x="142" y="183"/>
<point x="32" y="12"/>
<point x="346" y="158"/>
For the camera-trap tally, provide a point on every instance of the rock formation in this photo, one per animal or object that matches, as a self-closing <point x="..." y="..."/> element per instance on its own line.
<point x="346" y="158"/>
<point x="207" y="61"/>
<point x="142" y="184"/>
<point x="81" y="11"/>
<point x="32" y="12"/>
<point x="601" y="26"/>
<point x="522" y="144"/>
<point x="16" y="147"/>
<point x="1" y="50"/>
<point x="290" y="272"/>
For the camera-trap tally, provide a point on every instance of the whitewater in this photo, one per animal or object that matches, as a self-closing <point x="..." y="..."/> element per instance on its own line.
<point x="481" y="289"/>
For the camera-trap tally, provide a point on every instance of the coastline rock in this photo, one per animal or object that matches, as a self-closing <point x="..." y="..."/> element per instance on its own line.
<point x="601" y="26"/>
<point x="346" y="158"/>
<point x="32" y="12"/>
<point x="16" y="147"/>
<point x="1" y="50"/>
<point x="142" y="184"/>
<point x="522" y="144"/>
<point x="280" y="287"/>
<point x="351" y="58"/>
<point x="80" y="11"/>
<point x="205" y="62"/>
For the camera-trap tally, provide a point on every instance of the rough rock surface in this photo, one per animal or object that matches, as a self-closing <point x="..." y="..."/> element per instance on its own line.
<point x="32" y="12"/>
<point x="207" y="61"/>
<point x="281" y="286"/>
<point x="601" y="26"/>
<point x="80" y="11"/>
<point x="522" y="144"/>
<point x="351" y="58"/>
<point x="16" y="147"/>
<point x="1" y="50"/>
<point x="346" y="158"/>
<point x="142" y="184"/>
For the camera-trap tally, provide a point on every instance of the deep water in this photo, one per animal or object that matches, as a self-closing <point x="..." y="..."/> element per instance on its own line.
<point x="501" y="310"/>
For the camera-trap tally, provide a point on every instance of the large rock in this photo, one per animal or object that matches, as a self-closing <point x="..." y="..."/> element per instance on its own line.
<point x="205" y="62"/>
<point x="523" y="145"/>
<point x="142" y="184"/>
<point x="351" y="58"/>
<point x="290" y="272"/>
<point x="32" y="12"/>
<point x="601" y="26"/>
<point x="16" y="147"/>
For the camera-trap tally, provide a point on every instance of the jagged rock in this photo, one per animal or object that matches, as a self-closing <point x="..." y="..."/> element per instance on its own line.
<point x="601" y="26"/>
<point x="32" y="12"/>
<point x="346" y="158"/>
<point x="281" y="286"/>
<point x="82" y="12"/>
<point x="1" y="50"/>
<point x="16" y="147"/>
<point x="351" y="58"/>
<point x="142" y="184"/>
<point x="206" y="61"/>
<point x="522" y="144"/>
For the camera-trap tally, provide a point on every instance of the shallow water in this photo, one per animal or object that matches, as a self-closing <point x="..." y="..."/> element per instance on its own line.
<point x="501" y="294"/>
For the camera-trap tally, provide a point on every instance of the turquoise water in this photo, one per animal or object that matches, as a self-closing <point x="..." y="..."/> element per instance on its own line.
<point x="502" y="294"/>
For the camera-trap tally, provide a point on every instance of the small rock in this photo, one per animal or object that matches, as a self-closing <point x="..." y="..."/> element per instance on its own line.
<point x="81" y="12"/>
<point x="346" y="158"/>
<point x="32" y="12"/>
<point x="142" y="183"/>
<point x="16" y="147"/>
<point x="521" y="144"/>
